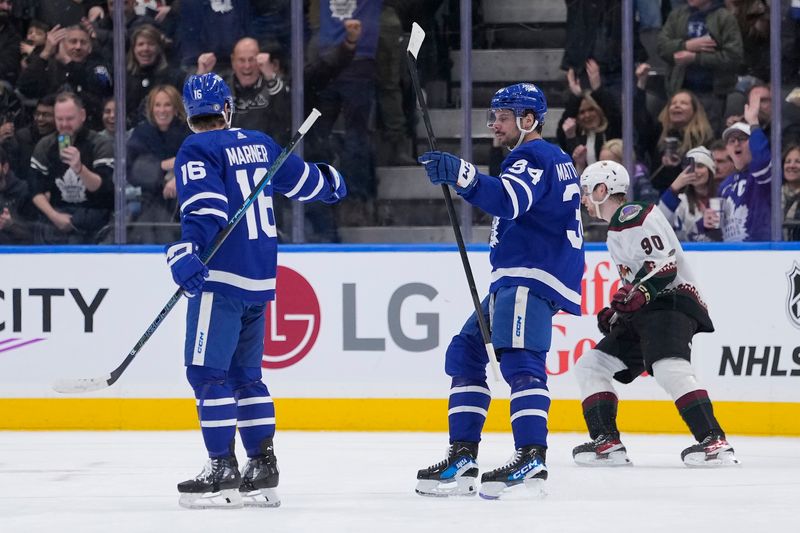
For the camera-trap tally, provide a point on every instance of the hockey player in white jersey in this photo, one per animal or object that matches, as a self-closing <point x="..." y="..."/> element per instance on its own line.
<point x="218" y="168"/>
<point x="537" y="263"/>
<point x="649" y="326"/>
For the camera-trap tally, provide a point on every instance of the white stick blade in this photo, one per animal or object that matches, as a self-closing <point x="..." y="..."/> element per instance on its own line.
<point x="77" y="386"/>
<point x="415" y="42"/>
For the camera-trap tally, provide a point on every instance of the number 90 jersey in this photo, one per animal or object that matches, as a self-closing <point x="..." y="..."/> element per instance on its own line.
<point x="537" y="236"/>
<point x="216" y="171"/>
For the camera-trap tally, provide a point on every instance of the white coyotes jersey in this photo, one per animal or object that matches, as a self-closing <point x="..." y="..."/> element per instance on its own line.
<point x="639" y="238"/>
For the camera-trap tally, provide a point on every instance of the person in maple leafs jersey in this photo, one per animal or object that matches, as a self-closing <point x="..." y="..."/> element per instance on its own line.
<point x="649" y="326"/>
<point x="217" y="168"/>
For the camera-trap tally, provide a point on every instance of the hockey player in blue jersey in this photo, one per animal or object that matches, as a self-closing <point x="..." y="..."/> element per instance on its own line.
<point x="217" y="168"/>
<point x="537" y="263"/>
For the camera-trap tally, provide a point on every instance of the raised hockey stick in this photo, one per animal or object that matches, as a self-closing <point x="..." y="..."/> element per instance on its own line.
<point x="656" y="268"/>
<point x="414" y="44"/>
<point x="72" y="386"/>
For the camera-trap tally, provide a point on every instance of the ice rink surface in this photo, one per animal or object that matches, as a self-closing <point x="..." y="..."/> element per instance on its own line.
<point x="120" y="482"/>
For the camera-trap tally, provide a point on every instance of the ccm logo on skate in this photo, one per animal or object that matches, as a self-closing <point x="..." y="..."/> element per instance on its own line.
<point x="293" y="319"/>
<point x="524" y="470"/>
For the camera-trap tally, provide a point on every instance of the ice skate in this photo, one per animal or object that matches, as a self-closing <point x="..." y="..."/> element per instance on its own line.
<point x="714" y="450"/>
<point x="260" y="478"/>
<point x="605" y="450"/>
<point x="216" y="487"/>
<point x="525" y="469"/>
<point x="454" y="476"/>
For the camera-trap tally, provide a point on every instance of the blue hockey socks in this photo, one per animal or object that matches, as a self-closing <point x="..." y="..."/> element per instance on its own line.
<point x="467" y="409"/>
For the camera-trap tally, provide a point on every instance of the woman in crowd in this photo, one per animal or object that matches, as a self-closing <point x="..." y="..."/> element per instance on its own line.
<point x="687" y="201"/>
<point x="640" y="189"/>
<point x="151" y="161"/>
<point x="790" y="193"/>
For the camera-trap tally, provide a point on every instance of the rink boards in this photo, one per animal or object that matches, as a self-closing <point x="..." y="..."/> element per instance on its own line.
<point x="356" y="339"/>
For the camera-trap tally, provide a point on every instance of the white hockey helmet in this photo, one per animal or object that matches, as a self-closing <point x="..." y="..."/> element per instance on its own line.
<point x="609" y="173"/>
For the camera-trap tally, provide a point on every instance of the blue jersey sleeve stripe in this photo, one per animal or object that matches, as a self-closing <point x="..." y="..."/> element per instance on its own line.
<point x="524" y="186"/>
<point x="203" y="196"/>
<point x="513" y="196"/>
<point x="209" y="211"/>
<point x="300" y="182"/>
<point x="315" y="192"/>
<point x="241" y="282"/>
<point x="541" y="276"/>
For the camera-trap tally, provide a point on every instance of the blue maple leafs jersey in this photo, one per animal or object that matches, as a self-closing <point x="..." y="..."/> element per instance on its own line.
<point x="537" y="235"/>
<point x="216" y="170"/>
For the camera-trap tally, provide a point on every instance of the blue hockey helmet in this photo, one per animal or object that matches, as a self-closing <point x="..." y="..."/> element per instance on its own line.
<point x="521" y="97"/>
<point x="206" y="94"/>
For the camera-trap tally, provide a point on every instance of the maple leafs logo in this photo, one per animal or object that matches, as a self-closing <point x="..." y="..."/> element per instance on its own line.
<point x="72" y="189"/>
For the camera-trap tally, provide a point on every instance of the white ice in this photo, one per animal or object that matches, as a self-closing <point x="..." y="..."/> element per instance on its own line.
<point x="120" y="482"/>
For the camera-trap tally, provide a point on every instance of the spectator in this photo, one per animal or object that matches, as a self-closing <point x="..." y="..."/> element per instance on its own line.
<point x="686" y="203"/>
<point x="72" y="180"/>
<point x="109" y="119"/>
<point x="682" y="125"/>
<point x="34" y="41"/>
<point x="352" y="94"/>
<point x="702" y="46"/>
<point x="151" y="165"/>
<point x="211" y="29"/>
<point x="44" y="123"/>
<point x="746" y="193"/>
<point x="790" y="193"/>
<point x="9" y="45"/>
<point x="15" y="207"/>
<point x="761" y="92"/>
<point x="594" y="31"/>
<point x="640" y="189"/>
<point x="65" y="12"/>
<point x="147" y="67"/>
<point x="64" y="64"/>
<point x="589" y="120"/>
<point x="752" y="16"/>
<point x="10" y="110"/>
<point x="722" y="162"/>
<point x="100" y="25"/>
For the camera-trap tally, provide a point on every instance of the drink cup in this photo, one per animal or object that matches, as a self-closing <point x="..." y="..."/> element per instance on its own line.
<point x="716" y="205"/>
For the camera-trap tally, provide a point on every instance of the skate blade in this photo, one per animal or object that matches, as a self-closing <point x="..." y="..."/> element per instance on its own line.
<point x="261" y="498"/>
<point x="612" y="459"/>
<point x="224" y="499"/>
<point x="699" y="460"/>
<point x="461" y="486"/>
<point x="530" y="489"/>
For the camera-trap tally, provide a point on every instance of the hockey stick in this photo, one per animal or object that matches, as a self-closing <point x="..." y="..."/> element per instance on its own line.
<point x="71" y="386"/>
<point x="414" y="44"/>
<point x="656" y="268"/>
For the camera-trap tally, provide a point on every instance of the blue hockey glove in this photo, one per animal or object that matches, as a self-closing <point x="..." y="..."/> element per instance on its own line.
<point x="335" y="181"/>
<point x="188" y="270"/>
<point x="449" y="169"/>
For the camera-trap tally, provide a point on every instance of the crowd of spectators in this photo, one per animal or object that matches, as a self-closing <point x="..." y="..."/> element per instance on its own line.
<point x="702" y="106"/>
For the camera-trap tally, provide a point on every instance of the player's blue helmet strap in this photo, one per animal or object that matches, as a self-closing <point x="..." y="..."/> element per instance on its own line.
<point x="206" y="94"/>
<point x="521" y="97"/>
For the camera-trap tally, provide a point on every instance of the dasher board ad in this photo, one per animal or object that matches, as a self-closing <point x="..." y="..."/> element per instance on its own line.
<point x="371" y="324"/>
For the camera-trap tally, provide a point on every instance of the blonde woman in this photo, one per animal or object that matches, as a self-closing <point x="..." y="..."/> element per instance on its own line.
<point x="151" y="158"/>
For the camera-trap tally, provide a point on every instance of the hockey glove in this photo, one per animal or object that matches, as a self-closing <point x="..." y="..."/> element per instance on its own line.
<point x="188" y="270"/>
<point x="335" y="181"/>
<point x="450" y="170"/>
<point x="604" y="320"/>
<point x="626" y="300"/>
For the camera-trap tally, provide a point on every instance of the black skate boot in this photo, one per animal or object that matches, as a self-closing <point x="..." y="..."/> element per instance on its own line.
<point x="605" y="450"/>
<point x="260" y="477"/>
<point x="217" y="486"/>
<point x="713" y="450"/>
<point x="525" y="468"/>
<point x="455" y="476"/>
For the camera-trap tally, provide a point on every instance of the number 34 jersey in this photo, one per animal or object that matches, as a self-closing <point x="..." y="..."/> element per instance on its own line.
<point x="216" y="171"/>
<point x="639" y="239"/>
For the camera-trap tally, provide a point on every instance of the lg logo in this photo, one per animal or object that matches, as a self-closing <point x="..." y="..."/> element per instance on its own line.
<point x="293" y="320"/>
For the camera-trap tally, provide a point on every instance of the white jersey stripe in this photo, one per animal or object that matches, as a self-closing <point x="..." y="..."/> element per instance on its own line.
<point x="204" y="196"/>
<point x="218" y="423"/>
<point x="257" y="422"/>
<point x="529" y="412"/>
<point x="320" y="184"/>
<point x="524" y="186"/>
<point x="300" y="182"/>
<point x="512" y="195"/>
<point x="217" y="402"/>
<point x="530" y="392"/>
<point x="467" y="409"/>
<point x="241" y="282"/>
<point x="203" y="322"/>
<point x="254" y="400"/>
<point x="539" y="275"/>
<point x="470" y="388"/>
<point x="209" y="211"/>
